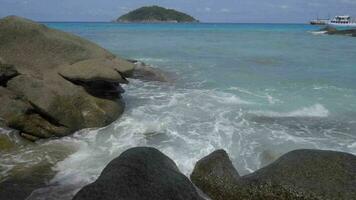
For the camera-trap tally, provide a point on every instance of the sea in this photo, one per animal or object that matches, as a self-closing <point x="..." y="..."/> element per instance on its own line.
<point x="257" y="91"/>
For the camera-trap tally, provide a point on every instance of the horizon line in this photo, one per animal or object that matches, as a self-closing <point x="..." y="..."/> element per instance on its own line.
<point x="113" y="22"/>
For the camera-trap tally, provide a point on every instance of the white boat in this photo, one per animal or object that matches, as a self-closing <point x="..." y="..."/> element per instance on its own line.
<point x="342" y="22"/>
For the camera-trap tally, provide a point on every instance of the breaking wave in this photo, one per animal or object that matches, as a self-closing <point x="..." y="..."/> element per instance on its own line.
<point x="316" y="110"/>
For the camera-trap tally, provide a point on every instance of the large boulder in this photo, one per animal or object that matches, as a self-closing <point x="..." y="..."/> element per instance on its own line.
<point x="59" y="83"/>
<point x="140" y="174"/>
<point x="300" y="174"/>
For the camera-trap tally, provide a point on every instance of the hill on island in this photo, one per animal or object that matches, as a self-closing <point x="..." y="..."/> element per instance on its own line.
<point x="154" y="14"/>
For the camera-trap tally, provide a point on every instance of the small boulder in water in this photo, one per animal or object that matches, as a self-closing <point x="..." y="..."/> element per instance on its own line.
<point x="300" y="174"/>
<point x="140" y="174"/>
<point x="147" y="73"/>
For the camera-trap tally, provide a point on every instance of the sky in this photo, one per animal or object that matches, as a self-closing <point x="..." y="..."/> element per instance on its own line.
<point x="239" y="11"/>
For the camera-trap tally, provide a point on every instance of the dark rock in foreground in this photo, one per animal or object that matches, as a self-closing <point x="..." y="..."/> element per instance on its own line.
<point x="333" y="31"/>
<point x="140" y="174"/>
<point x="215" y="175"/>
<point x="301" y="174"/>
<point x="54" y="83"/>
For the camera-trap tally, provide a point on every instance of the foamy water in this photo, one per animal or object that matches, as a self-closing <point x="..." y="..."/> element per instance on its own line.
<point x="256" y="91"/>
<point x="188" y="124"/>
<point x="316" y="110"/>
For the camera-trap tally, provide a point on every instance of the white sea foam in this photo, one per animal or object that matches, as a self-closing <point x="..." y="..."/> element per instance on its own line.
<point x="316" y="110"/>
<point x="318" y="32"/>
<point x="186" y="125"/>
<point x="268" y="97"/>
<point x="151" y="60"/>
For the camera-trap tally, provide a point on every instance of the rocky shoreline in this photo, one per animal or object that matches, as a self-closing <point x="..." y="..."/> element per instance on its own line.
<point x="145" y="173"/>
<point x="53" y="84"/>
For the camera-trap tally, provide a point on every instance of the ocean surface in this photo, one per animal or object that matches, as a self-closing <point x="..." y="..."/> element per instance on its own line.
<point x="256" y="90"/>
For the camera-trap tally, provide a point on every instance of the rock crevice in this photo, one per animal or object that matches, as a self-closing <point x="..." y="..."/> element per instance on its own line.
<point x="7" y="72"/>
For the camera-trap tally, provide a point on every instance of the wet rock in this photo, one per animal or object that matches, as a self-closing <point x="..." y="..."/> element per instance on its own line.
<point x="300" y="174"/>
<point x="28" y="166"/>
<point x="214" y="174"/>
<point x="140" y="174"/>
<point x="62" y="82"/>
<point x="148" y="73"/>
<point x="5" y="143"/>
<point x="21" y="185"/>
<point x="125" y="67"/>
<point x="334" y="31"/>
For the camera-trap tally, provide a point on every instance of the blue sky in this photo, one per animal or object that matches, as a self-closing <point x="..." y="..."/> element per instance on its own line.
<point x="205" y="10"/>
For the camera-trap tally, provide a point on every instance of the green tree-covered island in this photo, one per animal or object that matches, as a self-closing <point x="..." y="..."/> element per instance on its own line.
<point x="155" y="14"/>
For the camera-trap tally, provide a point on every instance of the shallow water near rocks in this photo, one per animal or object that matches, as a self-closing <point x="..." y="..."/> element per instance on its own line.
<point x="256" y="90"/>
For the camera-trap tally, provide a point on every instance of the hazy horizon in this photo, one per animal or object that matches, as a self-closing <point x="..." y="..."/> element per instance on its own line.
<point x="257" y="11"/>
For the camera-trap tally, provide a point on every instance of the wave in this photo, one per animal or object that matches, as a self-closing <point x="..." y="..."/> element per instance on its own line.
<point x="270" y="99"/>
<point x="149" y="59"/>
<point x="227" y="98"/>
<point x="316" y="110"/>
<point x="318" y="32"/>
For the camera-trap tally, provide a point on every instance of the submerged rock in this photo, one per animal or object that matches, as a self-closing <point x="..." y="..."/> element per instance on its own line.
<point x="148" y="73"/>
<point x="55" y="83"/>
<point x="26" y="166"/>
<point x="5" y="143"/>
<point x="140" y="174"/>
<point x="25" y="181"/>
<point x="300" y="174"/>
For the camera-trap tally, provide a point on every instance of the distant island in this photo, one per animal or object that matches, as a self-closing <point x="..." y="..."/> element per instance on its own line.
<point x="155" y="14"/>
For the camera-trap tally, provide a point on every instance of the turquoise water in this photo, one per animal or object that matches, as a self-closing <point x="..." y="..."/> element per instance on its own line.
<point x="256" y="90"/>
